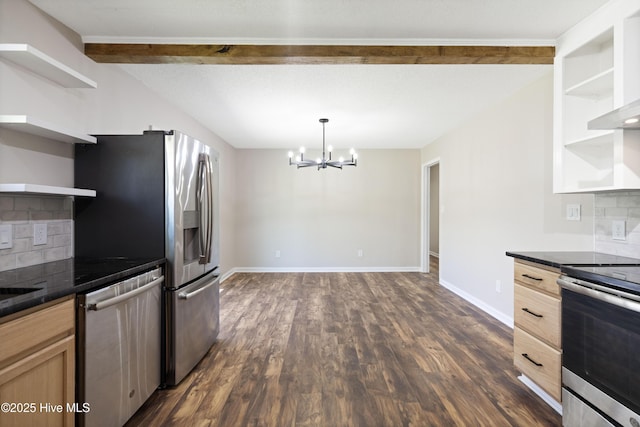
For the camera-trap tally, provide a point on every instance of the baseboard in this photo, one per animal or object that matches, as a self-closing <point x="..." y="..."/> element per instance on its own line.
<point x="541" y="393"/>
<point x="325" y="269"/>
<point x="478" y="303"/>
<point x="235" y="270"/>
<point x="227" y="274"/>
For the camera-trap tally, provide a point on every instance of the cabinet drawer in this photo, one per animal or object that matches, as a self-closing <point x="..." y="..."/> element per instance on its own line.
<point x="538" y="361"/>
<point x="538" y="313"/>
<point x="36" y="330"/>
<point x="538" y="278"/>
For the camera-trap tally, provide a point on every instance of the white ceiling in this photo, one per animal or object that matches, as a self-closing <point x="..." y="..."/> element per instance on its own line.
<point x="369" y="106"/>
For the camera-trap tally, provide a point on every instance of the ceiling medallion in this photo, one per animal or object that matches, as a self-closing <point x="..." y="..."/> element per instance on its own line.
<point x="323" y="162"/>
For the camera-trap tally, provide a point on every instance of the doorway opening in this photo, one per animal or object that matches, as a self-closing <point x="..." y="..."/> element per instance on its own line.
<point x="430" y="214"/>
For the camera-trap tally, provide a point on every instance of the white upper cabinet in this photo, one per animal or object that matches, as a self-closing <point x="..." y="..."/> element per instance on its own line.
<point x="596" y="70"/>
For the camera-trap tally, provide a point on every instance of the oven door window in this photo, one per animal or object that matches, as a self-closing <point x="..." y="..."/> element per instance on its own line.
<point x="601" y="344"/>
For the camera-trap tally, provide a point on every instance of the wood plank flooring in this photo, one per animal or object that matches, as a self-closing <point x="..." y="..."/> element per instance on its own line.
<point x="350" y="349"/>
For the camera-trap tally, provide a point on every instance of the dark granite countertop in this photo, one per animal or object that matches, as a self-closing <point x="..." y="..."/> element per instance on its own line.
<point x="560" y="259"/>
<point x="27" y="287"/>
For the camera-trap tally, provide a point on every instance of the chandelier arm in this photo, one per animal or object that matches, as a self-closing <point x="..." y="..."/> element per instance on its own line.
<point x="344" y="163"/>
<point x="305" y="164"/>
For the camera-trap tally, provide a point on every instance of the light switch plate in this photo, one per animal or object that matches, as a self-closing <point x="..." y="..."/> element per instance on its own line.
<point x="6" y="236"/>
<point x="618" y="231"/>
<point x="573" y="212"/>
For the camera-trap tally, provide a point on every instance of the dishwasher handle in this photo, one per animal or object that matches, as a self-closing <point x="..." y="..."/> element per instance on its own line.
<point x="187" y="295"/>
<point x="115" y="300"/>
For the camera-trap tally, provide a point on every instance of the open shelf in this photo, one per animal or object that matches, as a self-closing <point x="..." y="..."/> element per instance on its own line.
<point x="45" y="189"/>
<point x="598" y="86"/>
<point x="31" y="58"/>
<point x="28" y="124"/>
<point x="596" y="138"/>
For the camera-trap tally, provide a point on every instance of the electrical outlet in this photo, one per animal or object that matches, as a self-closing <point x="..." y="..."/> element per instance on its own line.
<point x="359" y="252"/>
<point x="277" y="253"/>
<point x="40" y="234"/>
<point x="618" y="230"/>
<point x="498" y="286"/>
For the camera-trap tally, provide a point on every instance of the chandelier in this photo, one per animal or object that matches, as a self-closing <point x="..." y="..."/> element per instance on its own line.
<point x="323" y="162"/>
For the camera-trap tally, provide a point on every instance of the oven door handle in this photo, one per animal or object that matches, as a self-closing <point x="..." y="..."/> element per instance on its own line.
<point x="615" y="297"/>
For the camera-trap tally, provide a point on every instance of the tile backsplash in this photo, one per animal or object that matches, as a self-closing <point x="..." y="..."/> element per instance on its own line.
<point x="615" y="206"/>
<point x="21" y="212"/>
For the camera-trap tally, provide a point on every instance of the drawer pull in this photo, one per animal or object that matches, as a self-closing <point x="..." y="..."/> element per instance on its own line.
<point x="540" y="316"/>
<point x="526" y="356"/>
<point x="532" y="278"/>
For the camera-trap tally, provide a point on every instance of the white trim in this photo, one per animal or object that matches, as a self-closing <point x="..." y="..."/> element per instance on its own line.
<point x="479" y="303"/>
<point x="324" y="269"/>
<point x="541" y="393"/>
<point x="227" y="274"/>
<point x="425" y="181"/>
<point x="319" y="41"/>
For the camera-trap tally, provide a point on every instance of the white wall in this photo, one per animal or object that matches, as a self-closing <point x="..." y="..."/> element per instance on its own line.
<point x="496" y="196"/>
<point x="320" y="219"/>
<point x="121" y="104"/>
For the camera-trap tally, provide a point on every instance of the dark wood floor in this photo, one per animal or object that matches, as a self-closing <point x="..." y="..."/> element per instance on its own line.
<point x="350" y="349"/>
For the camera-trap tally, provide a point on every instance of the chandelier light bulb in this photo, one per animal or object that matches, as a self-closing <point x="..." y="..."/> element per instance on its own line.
<point x="301" y="150"/>
<point x="341" y="159"/>
<point x="355" y="155"/>
<point x="298" y="158"/>
<point x="290" y="154"/>
<point x="318" y="160"/>
<point x="352" y="151"/>
<point x="330" y="148"/>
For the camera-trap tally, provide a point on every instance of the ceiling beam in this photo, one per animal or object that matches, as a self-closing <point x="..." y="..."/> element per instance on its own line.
<point x="315" y="54"/>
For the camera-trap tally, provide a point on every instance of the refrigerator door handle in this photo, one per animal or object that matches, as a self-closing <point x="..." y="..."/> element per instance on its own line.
<point x="187" y="295"/>
<point x="204" y="207"/>
<point x="209" y="210"/>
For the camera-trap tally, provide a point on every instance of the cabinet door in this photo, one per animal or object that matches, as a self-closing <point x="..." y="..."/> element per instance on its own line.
<point x="44" y="377"/>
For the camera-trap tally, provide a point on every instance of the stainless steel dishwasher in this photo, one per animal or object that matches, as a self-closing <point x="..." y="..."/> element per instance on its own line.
<point x="119" y="348"/>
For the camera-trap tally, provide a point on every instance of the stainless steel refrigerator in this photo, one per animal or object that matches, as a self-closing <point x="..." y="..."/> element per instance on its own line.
<point x="157" y="196"/>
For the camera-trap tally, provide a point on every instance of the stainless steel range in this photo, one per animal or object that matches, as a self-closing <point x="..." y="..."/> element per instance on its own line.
<point x="601" y="346"/>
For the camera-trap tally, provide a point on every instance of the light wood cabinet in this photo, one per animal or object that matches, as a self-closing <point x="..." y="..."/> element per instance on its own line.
<point x="37" y="366"/>
<point x="593" y="70"/>
<point x="537" y="340"/>
<point x="538" y="361"/>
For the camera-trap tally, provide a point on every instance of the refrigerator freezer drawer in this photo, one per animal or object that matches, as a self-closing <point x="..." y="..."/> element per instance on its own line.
<point x="193" y="323"/>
